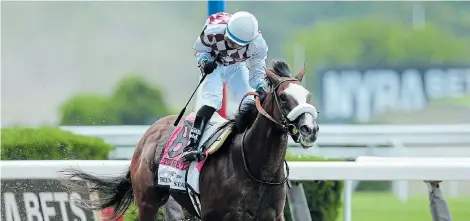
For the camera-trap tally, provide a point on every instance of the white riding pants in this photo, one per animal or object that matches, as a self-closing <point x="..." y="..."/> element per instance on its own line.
<point x="236" y="76"/>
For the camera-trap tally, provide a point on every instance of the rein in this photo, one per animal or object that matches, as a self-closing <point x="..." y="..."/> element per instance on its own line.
<point x="285" y="125"/>
<point x="251" y="175"/>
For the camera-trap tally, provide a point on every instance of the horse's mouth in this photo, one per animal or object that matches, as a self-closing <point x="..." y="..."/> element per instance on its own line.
<point x="307" y="142"/>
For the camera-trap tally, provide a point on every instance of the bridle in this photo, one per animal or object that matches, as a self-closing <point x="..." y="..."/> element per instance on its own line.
<point x="285" y="124"/>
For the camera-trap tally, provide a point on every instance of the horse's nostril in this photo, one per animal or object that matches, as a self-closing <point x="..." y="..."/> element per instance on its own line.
<point x="305" y="129"/>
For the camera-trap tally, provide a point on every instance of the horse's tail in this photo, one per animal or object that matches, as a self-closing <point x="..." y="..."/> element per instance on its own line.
<point x="114" y="192"/>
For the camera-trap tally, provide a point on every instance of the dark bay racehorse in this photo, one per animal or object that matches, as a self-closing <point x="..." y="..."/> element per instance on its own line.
<point x="244" y="180"/>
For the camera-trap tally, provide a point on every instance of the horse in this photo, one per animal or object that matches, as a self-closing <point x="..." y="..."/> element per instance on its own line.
<point x="243" y="178"/>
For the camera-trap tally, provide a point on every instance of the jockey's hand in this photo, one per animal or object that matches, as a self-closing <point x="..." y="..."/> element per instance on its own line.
<point x="208" y="66"/>
<point x="262" y="93"/>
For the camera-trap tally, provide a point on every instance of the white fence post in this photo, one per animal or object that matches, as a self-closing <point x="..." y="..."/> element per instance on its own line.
<point x="400" y="187"/>
<point x="347" y="196"/>
<point x="298" y="202"/>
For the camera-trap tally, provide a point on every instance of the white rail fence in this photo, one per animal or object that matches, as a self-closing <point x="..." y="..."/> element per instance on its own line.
<point x="337" y="141"/>
<point x="363" y="169"/>
<point x="333" y="141"/>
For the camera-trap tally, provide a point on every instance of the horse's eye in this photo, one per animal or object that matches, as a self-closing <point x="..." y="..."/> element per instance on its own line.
<point x="283" y="98"/>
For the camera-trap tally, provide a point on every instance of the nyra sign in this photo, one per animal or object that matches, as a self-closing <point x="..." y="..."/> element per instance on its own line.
<point x="360" y="94"/>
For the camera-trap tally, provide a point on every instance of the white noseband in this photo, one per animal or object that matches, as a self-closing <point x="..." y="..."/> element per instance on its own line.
<point x="301" y="109"/>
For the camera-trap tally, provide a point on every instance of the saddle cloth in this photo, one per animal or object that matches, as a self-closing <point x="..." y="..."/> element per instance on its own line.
<point x="181" y="177"/>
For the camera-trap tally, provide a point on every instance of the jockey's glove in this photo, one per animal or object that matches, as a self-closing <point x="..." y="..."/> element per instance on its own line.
<point x="208" y="66"/>
<point x="262" y="92"/>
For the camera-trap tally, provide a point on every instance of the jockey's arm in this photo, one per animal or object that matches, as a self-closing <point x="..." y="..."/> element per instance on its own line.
<point x="202" y="50"/>
<point x="258" y="52"/>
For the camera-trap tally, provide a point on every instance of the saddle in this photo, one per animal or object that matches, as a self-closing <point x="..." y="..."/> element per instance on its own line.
<point x="172" y="170"/>
<point x="182" y="177"/>
<point x="215" y="133"/>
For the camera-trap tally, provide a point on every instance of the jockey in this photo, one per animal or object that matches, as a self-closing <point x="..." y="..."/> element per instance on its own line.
<point x="229" y="49"/>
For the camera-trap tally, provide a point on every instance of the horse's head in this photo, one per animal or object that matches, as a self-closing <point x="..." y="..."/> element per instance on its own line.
<point x="292" y="109"/>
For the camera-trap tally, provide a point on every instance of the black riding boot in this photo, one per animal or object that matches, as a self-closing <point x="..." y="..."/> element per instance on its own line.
<point x="192" y="152"/>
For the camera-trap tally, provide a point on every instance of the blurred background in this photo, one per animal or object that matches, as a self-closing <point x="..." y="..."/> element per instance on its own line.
<point x="131" y="63"/>
<point x="62" y="51"/>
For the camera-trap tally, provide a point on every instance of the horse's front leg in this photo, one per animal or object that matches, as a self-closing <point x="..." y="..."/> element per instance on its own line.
<point x="172" y="211"/>
<point x="235" y="216"/>
<point x="281" y="217"/>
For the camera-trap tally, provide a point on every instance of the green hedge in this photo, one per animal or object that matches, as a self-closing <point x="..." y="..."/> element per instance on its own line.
<point x="134" y="101"/>
<point x="374" y="186"/>
<point x="50" y="143"/>
<point x="323" y="198"/>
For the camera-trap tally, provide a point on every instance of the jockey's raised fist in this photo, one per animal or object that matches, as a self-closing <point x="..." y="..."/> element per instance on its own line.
<point x="208" y="66"/>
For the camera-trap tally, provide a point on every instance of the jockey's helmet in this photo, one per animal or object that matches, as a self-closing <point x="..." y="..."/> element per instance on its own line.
<point x="241" y="29"/>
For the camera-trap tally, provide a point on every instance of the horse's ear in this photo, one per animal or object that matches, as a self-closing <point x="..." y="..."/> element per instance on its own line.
<point x="301" y="74"/>
<point x="271" y="76"/>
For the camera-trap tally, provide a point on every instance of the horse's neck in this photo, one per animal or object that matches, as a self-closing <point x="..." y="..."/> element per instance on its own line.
<point x="265" y="148"/>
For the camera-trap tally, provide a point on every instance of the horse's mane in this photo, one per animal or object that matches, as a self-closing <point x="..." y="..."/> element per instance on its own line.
<point x="247" y="114"/>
